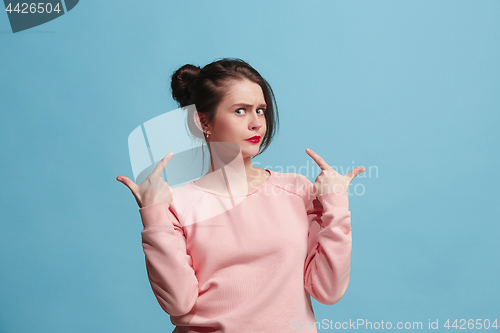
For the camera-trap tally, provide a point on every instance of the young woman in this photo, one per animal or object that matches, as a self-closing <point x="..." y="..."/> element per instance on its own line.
<point x="242" y="250"/>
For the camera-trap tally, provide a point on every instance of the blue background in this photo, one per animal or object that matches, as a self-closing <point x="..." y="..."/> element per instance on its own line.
<point x="407" y="89"/>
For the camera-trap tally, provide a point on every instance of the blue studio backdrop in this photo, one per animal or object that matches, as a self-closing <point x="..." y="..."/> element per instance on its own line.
<point x="407" y="89"/>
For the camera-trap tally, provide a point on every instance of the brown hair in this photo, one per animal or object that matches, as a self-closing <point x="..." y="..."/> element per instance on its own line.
<point x="206" y="87"/>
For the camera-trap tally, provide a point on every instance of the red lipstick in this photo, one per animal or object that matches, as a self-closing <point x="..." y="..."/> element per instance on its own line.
<point x="254" y="139"/>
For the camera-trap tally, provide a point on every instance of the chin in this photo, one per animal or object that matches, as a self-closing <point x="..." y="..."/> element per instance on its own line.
<point x="249" y="153"/>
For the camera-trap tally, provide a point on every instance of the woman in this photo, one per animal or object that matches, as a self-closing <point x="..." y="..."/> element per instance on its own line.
<point x="244" y="252"/>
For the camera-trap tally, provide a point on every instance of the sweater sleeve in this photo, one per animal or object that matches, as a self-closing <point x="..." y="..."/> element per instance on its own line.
<point x="169" y="266"/>
<point x="328" y="261"/>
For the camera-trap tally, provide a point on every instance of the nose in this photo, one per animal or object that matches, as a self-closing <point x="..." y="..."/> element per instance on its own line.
<point x="255" y="121"/>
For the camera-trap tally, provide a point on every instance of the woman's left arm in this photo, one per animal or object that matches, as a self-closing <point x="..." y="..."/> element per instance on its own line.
<point x="328" y="261"/>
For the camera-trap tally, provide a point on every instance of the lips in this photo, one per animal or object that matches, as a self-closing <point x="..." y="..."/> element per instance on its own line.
<point x="254" y="139"/>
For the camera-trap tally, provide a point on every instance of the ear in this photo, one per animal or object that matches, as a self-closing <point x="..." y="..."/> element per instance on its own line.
<point x="199" y="120"/>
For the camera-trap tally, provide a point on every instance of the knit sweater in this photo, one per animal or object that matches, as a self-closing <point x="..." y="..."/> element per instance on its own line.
<point x="248" y="263"/>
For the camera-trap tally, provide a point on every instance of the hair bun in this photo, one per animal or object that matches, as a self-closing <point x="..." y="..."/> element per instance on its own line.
<point x="181" y="81"/>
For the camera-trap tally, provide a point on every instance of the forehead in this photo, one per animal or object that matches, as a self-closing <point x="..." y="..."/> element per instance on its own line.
<point x="244" y="91"/>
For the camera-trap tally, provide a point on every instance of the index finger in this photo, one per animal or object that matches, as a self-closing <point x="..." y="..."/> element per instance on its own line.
<point x="318" y="159"/>
<point x="162" y="164"/>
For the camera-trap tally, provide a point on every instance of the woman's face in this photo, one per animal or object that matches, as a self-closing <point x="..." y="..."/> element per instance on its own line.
<point x="240" y="116"/>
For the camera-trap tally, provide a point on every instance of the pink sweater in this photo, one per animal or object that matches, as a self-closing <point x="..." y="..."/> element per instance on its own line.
<point x="252" y="267"/>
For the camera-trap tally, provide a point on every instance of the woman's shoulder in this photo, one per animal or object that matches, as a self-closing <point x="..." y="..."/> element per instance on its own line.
<point x="184" y="195"/>
<point x="293" y="182"/>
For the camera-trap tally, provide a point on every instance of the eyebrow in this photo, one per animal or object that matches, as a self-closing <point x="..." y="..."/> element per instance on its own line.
<point x="249" y="105"/>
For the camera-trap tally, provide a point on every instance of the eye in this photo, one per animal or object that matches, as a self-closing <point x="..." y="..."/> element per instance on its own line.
<point x="263" y="110"/>
<point x="239" y="110"/>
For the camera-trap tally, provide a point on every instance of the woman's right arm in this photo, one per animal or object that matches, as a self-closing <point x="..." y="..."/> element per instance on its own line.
<point x="169" y="266"/>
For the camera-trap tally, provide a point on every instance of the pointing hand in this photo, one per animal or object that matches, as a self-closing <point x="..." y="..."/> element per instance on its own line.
<point x="329" y="180"/>
<point x="153" y="189"/>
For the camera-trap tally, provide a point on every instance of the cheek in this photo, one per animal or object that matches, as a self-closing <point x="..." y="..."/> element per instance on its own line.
<point x="227" y="129"/>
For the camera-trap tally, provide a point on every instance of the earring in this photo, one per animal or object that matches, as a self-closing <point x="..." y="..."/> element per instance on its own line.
<point x="208" y="132"/>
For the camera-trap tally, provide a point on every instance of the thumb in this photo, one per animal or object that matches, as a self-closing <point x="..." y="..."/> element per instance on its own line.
<point x="127" y="182"/>
<point x="356" y="172"/>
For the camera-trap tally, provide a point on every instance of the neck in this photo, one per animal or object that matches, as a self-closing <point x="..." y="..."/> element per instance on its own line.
<point x="236" y="170"/>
